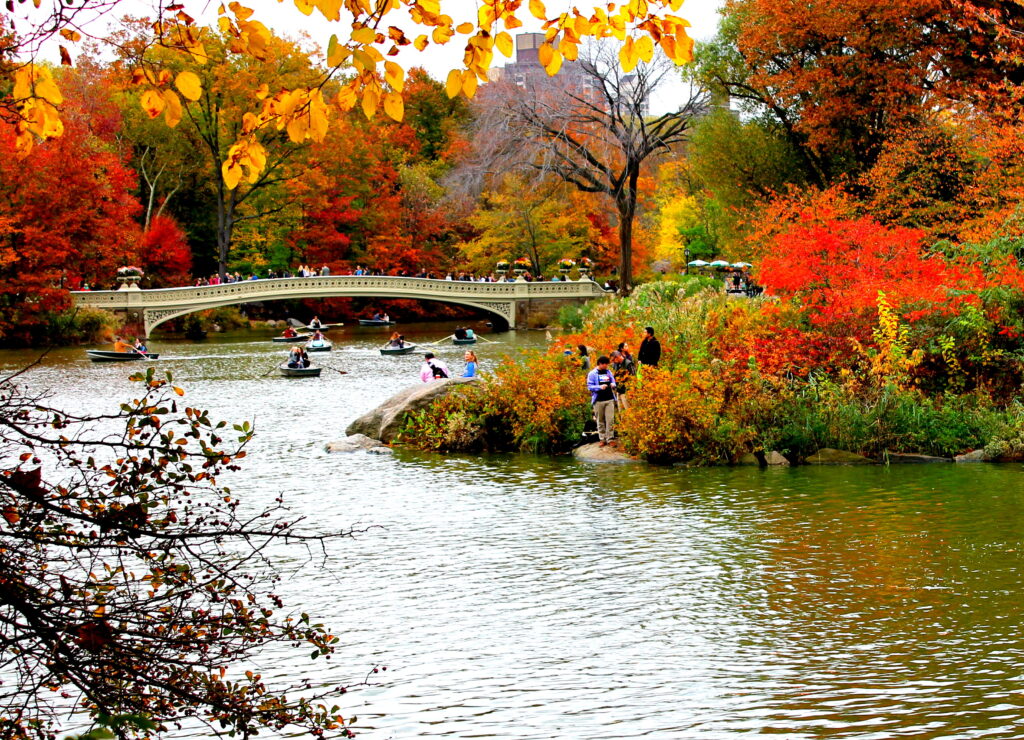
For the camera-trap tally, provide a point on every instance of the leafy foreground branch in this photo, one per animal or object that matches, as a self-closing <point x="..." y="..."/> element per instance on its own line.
<point x="132" y="583"/>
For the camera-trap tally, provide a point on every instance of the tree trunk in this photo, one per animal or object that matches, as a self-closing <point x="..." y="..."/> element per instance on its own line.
<point x="225" y="226"/>
<point x="625" y="203"/>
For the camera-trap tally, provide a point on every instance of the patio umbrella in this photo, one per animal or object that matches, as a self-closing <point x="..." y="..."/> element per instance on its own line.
<point x="741" y="265"/>
<point x="719" y="263"/>
<point x="697" y="263"/>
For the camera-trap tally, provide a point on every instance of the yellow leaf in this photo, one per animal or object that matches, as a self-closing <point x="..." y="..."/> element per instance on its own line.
<point x="684" y="48"/>
<point x="453" y="84"/>
<point x="544" y="54"/>
<point x="297" y="129"/>
<point x="569" y="50"/>
<point x="441" y="34"/>
<point x="504" y="43"/>
<point x="262" y="91"/>
<point x="371" y="99"/>
<point x="469" y="84"/>
<point x="628" y="56"/>
<point x="336" y="53"/>
<point x="364" y="35"/>
<point x="394" y="75"/>
<point x="232" y="175"/>
<point x="464" y="28"/>
<point x="645" y="48"/>
<point x="318" y="118"/>
<point x="668" y="45"/>
<point x="305" y="6"/>
<point x="537" y="9"/>
<point x="152" y="102"/>
<point x="421" y="42"/>
<point x="555" y="64"/>
<point x="172" y="113"/>
<point x="189" y="85"/>
<point x="394" y="107"/>
<point x="44" y="86"/>
<point x="331" y="9"/>
<point x="346" y="98"/>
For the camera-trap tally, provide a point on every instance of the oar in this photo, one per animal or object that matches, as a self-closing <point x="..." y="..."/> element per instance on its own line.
<point x="270" y="370"/>
<point x="482" y="339"/>
<point x="331" y="367"/>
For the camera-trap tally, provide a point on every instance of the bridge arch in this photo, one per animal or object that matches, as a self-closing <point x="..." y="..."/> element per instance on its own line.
<point x="509" y="303"/>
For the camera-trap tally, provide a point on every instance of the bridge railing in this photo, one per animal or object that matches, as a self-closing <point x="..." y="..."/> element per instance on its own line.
<point x="381" y="285"/>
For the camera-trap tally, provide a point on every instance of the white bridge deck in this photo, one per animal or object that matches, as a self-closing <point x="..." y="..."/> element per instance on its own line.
<point x="155" y="306"/>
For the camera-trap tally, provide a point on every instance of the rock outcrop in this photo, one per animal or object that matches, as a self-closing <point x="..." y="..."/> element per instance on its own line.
<point x="974" y="456"/>
<point x="904" y="458"/>
<point x="769" y="458"/>
<point x="595" y="453"/>
<point x="830" y="456"/>
<point x="359" y="443"/>
<point x="385" y="421"/>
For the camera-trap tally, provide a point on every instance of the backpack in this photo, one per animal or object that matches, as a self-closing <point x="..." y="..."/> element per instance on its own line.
<point x="438" y="371"/>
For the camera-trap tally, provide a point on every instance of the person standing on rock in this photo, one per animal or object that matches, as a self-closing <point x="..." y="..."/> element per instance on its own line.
<point x="433" y="369"/>
<point x="601" y="384"/>
<point x="650" y="349"/>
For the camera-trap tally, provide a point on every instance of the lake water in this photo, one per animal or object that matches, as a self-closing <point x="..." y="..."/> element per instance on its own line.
<point x="528" y="597"/>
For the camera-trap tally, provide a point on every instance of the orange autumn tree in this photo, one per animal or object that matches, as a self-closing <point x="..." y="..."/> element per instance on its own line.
<point x="837" y="78"/>
<point x="60" y="225"/>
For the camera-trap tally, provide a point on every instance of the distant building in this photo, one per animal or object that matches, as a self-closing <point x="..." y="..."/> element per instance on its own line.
<point x="527" y="70"/>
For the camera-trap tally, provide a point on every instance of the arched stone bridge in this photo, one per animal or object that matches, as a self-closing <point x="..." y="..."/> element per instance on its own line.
<point x="511" y="304"/>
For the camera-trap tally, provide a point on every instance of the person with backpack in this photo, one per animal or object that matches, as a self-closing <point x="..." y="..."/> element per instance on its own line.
<point x="602" y="387"/>
<point x="433" y="369"/>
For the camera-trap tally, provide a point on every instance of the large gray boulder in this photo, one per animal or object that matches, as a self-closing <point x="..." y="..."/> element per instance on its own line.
<point x="385" y="421"/>
<point x="357" y="443"/>
<point x="595" y="453"/>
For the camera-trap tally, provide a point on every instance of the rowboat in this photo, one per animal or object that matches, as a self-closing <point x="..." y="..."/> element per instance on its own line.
<point x="375" y="322"/>
<point x="299" y="372"/>
<point x="319" y="346"/>
<point x="296" y="338"/>
<point x="102" y="355"/>
<point x="467" y="340"/>
<point x="407" y="349"/>
<point x="323" y="327"/>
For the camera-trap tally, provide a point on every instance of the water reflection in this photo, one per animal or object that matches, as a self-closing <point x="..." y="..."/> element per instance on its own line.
<point x="543" y="598"/>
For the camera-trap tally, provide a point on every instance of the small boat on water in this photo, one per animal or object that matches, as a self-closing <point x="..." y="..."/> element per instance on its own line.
<point x="389" y="350"/>
<point x="299" y="372"/>
<point x="375" y="322"/>
<point x="467" y="340"/>
<point x="322" y="327"/>
<point x="296" y="338"/>
<point x="319" y="345"/>
<point x="102" y="355"/>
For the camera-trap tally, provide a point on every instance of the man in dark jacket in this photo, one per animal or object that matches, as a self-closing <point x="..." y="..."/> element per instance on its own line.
<point x="650" y="349"/>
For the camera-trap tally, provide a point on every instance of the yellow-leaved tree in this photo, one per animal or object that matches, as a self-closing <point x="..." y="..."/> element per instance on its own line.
<point x="360" y="57"/>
